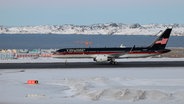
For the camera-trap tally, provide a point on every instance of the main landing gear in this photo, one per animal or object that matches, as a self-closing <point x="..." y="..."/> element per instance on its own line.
<point x="113" y="62"/>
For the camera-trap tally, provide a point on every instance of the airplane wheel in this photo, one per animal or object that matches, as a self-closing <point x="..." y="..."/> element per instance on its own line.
<point x="113" y="62"/>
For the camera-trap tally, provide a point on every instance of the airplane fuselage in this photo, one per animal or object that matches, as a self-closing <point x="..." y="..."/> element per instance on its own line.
<point x="109" y="52"/>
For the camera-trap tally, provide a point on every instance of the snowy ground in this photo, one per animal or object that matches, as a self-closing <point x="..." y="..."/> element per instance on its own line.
<point x="93" y="86"/>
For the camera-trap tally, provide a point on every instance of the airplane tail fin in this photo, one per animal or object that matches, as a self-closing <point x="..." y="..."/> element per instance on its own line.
<point x="161" y="41"/>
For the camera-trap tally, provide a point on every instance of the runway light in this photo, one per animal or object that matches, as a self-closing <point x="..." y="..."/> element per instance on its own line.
<point x="32" y="82"/>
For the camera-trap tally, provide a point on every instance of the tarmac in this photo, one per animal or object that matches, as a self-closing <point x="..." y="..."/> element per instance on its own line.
<point x="91" y="65"/>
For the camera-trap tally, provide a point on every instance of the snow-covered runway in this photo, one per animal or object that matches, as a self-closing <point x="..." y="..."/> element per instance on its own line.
<point x="93" y="86"/>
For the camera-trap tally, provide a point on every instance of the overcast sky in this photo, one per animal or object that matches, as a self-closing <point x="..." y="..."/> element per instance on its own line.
<point x="86" y="12"/>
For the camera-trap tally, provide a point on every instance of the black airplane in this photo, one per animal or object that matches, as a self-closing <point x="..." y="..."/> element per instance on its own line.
<point x="110" y="54"/>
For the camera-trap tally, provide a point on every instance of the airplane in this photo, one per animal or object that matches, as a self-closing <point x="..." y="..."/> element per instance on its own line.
<point x="112" y="53"/>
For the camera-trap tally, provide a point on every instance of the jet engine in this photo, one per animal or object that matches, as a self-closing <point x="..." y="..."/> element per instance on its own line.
<point x="101" y="58"/>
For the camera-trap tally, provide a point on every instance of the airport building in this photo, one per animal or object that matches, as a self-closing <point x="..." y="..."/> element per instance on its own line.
<point x="25" y="53"/>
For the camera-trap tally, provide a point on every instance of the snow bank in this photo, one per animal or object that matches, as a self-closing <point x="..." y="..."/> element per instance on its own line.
<point x="103" y="89"/>
<point x="129" y="94"/>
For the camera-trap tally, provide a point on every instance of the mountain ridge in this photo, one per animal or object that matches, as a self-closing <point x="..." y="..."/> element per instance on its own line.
<point x="95" y="29"/>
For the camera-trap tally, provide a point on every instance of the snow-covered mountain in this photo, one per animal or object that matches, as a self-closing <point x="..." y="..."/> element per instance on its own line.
<point x="103" y="29"/>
